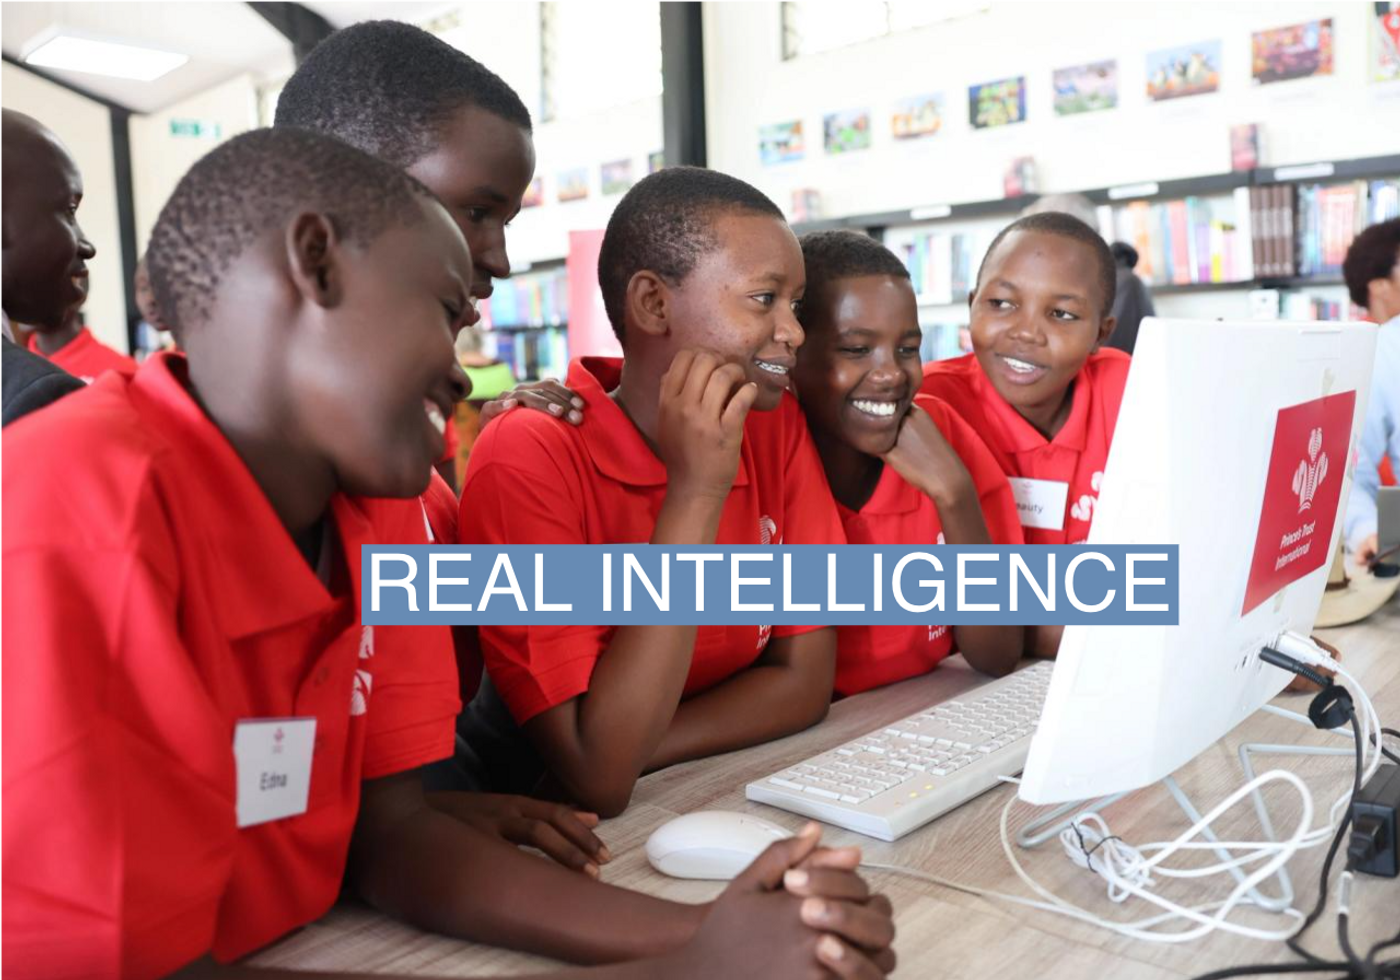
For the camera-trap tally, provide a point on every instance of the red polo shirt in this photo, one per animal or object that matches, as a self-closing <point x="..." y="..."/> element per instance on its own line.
<point x="86" y="357"/>
<point x="1070" y="466"/>
<point x="532" y="479"/>
<point x="899" y="514"/>
<point x="152" y="600"/>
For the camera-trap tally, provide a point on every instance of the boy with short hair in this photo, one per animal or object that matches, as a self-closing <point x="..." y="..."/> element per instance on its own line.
<point x="700" y="275"/>
<point x="169" y="649"/>
<point x="903" y="467"/>
<point x="1372" y="271"/>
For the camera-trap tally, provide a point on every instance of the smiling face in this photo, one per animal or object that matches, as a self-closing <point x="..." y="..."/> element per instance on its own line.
<point x="378" y="380"/>
<point x="859" y="370"/>
<point x="740" y="299"/>
<point x="1037" y="315"/>
<point x="480" y="170"/>
<point x="45" y="250"/>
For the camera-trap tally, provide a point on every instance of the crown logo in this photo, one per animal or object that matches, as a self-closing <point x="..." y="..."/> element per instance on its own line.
<point x="1310" y="472"/>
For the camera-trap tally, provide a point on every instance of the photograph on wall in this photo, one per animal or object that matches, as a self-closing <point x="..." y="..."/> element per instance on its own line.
<point x="656" y="161"/>
<point x="1383" y="42"/>
<point x="534" y="194"/>
<point x="781" y="142"/>
<point x="616" y="177"/>
<point x="917" y="117"/>
<point x="1189" y="69"/>
<point x="1086" y="88"/>
<point x="843" y="132"/>
<point x="1297" y="51"/>
<point x="573" y="185"/>
<point x="998" y="103"/>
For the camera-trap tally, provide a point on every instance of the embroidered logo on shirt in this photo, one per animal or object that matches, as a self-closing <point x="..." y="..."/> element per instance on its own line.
<point x="936" y="632"/>
<point x="1083" y="508"/>
<point x="767" y="530"/>
<point x="1311" y="472"/>
<point x="359" y="695"/>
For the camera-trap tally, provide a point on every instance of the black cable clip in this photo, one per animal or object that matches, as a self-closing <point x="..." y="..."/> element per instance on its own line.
<point x="1331" y="708"/>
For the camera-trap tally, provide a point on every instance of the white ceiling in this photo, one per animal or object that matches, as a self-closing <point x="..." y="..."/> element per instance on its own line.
<point x="222" y="40"/>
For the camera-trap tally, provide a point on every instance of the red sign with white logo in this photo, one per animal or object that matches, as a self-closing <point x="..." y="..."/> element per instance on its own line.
<point x="1303" y="488"/>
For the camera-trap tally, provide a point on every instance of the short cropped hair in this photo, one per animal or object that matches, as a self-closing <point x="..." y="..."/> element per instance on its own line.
<point x="832" y="255"/>
<point x="253" y="184"/>
<point x="1373" y="255"/>
<point x="1065" y="226"/>
<point x="664" y="224"/>
<point x="388" y="88"/>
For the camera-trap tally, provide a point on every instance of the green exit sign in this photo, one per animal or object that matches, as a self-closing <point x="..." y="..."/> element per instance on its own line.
<point x="196" y="129"/>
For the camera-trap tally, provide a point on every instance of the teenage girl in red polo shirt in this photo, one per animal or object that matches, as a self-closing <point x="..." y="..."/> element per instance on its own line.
<point x="700" y="276"/>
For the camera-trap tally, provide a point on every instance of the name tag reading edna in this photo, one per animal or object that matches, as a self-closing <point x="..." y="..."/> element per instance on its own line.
<point x="273" y="757"/>
<point x="1040" y="503"/>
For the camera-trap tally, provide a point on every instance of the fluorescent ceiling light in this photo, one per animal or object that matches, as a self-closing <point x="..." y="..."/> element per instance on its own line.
<point x="93" y="57"/>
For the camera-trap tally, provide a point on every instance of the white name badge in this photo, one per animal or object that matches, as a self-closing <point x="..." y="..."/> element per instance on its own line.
<point x="1040" y="503"/>
<point x="273" y="756"/>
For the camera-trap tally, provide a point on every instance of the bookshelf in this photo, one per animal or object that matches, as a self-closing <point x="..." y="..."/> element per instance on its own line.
<point x="1204" y="242"/>
<point x="526" y="321"/>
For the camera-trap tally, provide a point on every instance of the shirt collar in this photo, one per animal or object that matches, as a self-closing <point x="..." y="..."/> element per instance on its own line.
<point x="893" y="495"/>
<point x="264" y="581"/>
<point x="614" y="444"/>
<point x="1020" y="435"/>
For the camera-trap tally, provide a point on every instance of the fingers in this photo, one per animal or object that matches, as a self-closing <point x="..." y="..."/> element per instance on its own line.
<point x="722" y="384"/>
<point x="766" y="871"/>
<point x="497" y="406"/>
<point x="853" y="964"/>
<point x="703" y="364"/>
<point x="558" y="403"/>
<point x="842" y="858"/>
<point x="673" y="381"/>
<point x="826" y="883"/>
<point x="868" y="926"/>
<point x="547" y="838"/>
<point x="732" y="421"/>
<point x="575" y="825"/>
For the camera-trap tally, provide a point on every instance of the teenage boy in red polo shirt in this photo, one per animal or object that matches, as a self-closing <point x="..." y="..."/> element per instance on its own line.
<point x="904" y="468"/>
<point x="200" y="738"/>
<point x="1039" y="388"/>
<point x="700" y="275"/>
<point x="401" y="94"/>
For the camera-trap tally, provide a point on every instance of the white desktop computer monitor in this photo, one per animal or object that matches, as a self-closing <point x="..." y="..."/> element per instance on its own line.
<point x="1235" y="441"/>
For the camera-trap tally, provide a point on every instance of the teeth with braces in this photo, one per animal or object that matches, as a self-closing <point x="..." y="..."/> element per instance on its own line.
<point x="878" y="409"/>
<point x="772" y="368"/>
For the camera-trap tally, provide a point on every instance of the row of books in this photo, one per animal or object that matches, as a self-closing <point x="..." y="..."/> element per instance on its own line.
<point x="1330" y="216"/>
<point x="943" y="266"/>
<point x="534" y="353"/>
<point x="1192" y="240"/>
<point x="531" y="299"/>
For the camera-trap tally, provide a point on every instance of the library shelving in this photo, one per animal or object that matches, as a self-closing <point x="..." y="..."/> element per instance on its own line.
<point x="526" y="320"/>
<point x="1283" y="228"/>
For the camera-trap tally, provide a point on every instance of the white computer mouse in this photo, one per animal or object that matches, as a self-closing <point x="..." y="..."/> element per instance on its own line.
<point x="715" y="845"/>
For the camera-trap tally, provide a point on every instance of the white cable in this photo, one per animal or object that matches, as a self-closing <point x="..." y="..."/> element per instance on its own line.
<point x="1128" y="871"/>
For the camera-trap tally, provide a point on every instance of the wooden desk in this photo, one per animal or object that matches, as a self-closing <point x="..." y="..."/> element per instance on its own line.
<point x="942" y="932"/>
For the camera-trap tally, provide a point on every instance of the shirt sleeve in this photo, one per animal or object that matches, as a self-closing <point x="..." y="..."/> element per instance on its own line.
<point x="523" y="498"/>
<point x="119" y="825"/>
<point x="810" y="510"/>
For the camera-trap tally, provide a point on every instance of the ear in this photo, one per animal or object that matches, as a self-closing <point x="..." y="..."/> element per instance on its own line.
<point x="646" y="304"/>
<point x="1106" y="326"/>
<point x="314" y="259"/>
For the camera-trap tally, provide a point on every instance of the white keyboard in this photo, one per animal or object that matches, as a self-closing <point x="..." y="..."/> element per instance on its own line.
<point x="903" y="775"/>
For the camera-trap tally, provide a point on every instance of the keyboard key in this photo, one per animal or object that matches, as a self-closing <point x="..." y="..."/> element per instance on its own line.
<point x="786" y="783"/>
<point x="819" y="791"/>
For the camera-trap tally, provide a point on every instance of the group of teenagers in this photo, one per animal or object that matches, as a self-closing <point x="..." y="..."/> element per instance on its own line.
<point x="190" y="561"/>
